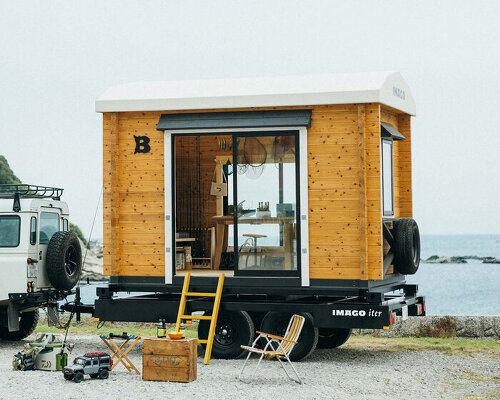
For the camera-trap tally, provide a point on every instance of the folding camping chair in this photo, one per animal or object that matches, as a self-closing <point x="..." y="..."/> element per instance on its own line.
<point x="281" y="347"/>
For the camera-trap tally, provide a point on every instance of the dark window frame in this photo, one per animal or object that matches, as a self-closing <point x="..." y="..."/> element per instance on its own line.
<point x="392" y="212"/>
<point x="33" y="241"/>
<point x="18" y="230"/>
<point x="291" y="132"/>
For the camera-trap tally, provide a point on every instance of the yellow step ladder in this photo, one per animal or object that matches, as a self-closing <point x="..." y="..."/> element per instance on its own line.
<point x="212" y="318"/>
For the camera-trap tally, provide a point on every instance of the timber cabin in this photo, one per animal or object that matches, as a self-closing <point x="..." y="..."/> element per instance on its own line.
<point x="294" y="181"/>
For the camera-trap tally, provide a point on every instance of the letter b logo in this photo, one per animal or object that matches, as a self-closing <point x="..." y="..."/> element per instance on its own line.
<point x="142" y="144"/>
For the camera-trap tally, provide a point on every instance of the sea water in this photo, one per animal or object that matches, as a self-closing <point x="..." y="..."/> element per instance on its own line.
<point x="460" y="289"/>
<point x="454" y="289"/>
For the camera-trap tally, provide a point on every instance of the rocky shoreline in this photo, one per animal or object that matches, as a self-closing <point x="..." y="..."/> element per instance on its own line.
<point x="435" y="259"/>
<point x="441" y="326"/>
<point x="93" y="264"/>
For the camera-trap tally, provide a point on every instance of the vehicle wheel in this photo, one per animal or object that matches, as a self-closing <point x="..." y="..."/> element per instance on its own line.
<point x="233" y="329"/>
<point x="406" y="246"/>
<point x="78" y="377"/>
<point x="27" y="324"/>
<point x="68" y="377"/>
<point x="257" y="318"/>
<point x="64" y="260"/>
<point x="330" y="338"/>
<point x="103" y="374"/>
<point x="276" y="323"/>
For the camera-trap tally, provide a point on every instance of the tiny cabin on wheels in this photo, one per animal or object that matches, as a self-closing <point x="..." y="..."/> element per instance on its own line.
<point x="298" y="189"/>
<point x="297" y="178"/>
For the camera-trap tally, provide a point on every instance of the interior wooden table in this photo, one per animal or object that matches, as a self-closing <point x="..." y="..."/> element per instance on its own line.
<point x="221" y="223"/>
<point x="185" y="240"/>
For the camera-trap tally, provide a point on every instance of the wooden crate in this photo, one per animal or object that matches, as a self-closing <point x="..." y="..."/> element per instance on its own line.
<point x="169" y="360"/>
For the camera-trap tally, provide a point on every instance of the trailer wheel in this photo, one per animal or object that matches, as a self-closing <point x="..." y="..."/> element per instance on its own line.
<point x="406" y="246"/>
<point x="233" y="329"/>
<point x="330" y="338"/>
<point x="64" y="260"/>
<point x="276" y="323"/>
<point x="256" y="318"/>
<point x="27" y="324"/>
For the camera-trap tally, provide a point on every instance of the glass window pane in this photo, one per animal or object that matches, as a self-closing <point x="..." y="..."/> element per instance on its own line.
<point x="10" y="227"/>
<point x="33" y="230"/>
<point x="387" y="178"/>
<point x="49" y="224"/>
<point x="65" y="225"/>
<point x="266" y="195"/>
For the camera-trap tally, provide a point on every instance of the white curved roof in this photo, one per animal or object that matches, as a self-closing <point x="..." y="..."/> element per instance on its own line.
<point x="387" y="88"/>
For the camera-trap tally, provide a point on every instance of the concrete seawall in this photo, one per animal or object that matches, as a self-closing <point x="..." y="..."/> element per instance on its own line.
<point x="487" y="327"/>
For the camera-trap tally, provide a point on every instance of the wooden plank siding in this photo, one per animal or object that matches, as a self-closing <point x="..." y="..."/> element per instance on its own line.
<point x="345" y="235"/>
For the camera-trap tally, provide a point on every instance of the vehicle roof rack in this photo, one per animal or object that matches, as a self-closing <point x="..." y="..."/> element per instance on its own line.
<point x="26" y="191"/>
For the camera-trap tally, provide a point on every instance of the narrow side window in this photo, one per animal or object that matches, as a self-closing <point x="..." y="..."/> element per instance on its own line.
<point x="387" y="178"/>
<point x="33" y="230"/>
<point x="65" y="225"/>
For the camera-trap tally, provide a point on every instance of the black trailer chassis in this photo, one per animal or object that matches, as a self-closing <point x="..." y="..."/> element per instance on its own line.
<point x="364" y="308"/>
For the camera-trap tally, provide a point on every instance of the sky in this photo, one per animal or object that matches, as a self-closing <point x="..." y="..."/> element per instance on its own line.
<point x="57" y="57"/>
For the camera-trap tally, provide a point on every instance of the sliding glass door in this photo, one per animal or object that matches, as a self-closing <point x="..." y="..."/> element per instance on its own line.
<point x="266" y="203"/>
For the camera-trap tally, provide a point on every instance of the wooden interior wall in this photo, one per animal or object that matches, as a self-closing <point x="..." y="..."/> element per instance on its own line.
<point x="195" y="166"/>
<point x="344" y="193"/>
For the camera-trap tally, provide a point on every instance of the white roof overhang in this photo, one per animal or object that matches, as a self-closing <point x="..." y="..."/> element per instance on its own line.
<point x="388" y="88"/>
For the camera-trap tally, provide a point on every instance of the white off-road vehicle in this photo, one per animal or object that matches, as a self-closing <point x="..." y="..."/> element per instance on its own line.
<point x="40" y="259"/>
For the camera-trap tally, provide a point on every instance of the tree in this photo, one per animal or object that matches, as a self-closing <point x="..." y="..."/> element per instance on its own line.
<point x="7" y="177"/>
<point x="78" y="232"/>
<point x="6" y="174"/>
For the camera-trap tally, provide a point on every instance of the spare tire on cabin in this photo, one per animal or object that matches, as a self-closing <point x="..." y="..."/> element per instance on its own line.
<point x="406" y="246"/>
<point x="64" y="260"/>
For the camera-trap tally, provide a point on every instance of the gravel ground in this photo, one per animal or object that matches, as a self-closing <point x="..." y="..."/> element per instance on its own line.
<point x="344" y="373"/>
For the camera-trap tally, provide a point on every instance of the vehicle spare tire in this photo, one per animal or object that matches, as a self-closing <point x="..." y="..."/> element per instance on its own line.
<point x="233" y="329"/>
<point x="276" y="323"/>
<point x="331" y="338"/>
<point x="28" y="321"/>
<point x="64" y="260"/>
<point x="406" y="246"/>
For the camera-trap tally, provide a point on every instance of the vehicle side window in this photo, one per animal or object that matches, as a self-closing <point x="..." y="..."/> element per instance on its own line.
<point x="49" y="224"/>
<point x="87" y="364"/>
<point x="33" y="230"/>
<point x="10" y="230"/>
<point x="65" y="225"/>
<point x="95" y="362"/>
